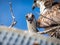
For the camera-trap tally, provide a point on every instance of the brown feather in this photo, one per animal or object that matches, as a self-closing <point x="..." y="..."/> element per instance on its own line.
<point x="54" y="18"/>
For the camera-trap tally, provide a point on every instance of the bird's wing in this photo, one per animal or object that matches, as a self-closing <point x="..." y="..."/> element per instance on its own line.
<point x="52" y="16"/>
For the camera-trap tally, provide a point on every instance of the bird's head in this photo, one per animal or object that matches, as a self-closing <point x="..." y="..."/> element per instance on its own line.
<point x="30" y="18"/>
<point x="39" y="3"/>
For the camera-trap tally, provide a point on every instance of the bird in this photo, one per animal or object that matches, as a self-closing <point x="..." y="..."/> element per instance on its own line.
<point x="42" y="4"/>
<point x="49" y="15"/>
<point x="31" y="23"/>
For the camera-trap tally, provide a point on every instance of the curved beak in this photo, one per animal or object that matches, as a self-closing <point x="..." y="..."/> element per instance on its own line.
<point x="33" y="7"/>
<point x="30" y="20"/>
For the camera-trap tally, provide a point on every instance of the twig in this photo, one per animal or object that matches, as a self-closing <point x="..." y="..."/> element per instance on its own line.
<point x="50" y="30"/>
<point x="53" y="34"/>
<point x="13" y="17"/>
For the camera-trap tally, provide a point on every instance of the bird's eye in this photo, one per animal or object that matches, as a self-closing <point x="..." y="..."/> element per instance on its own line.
<point x="59" y="8"/>
<point x="26" y="16"/>
<point x="35" y="1"/>
<point x="32" y="16"/>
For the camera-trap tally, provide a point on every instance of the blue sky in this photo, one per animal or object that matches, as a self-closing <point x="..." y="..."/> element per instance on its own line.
<point x="20" y="9"/>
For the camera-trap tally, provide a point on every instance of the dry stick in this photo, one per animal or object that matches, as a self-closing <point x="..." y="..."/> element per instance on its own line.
<point x="53" y="34"/>
<point x="12" y="14"/>
<point x="50" y="30"/>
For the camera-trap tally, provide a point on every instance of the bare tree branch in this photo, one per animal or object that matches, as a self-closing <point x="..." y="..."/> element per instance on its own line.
<point x="13" y="17"/>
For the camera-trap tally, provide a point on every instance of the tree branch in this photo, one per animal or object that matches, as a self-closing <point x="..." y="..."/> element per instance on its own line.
<point x="13" y="17"/>
<point x="50" y="30"/>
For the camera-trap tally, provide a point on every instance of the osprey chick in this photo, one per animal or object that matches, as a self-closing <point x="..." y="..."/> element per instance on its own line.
<point x="31" y="23"/>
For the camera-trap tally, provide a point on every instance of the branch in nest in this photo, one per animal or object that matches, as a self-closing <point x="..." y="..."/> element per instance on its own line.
<point x="50" y="30"/>
<point x="53" y="34"/>
<point x="13" y="17"/>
